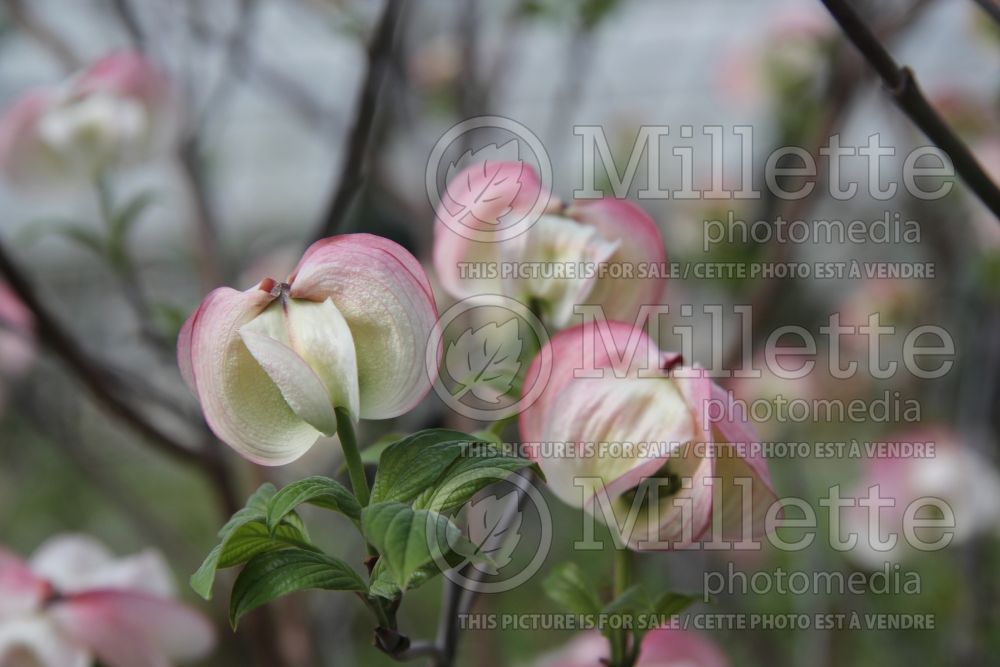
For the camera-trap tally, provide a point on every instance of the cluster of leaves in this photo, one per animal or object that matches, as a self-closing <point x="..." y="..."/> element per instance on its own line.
<point x="625" y="619"/>
<point x="409" y="526"/>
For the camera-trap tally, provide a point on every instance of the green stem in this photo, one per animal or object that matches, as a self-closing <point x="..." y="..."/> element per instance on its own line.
<point x="623" y="571"/>
<point x="352" y="456"/>
<point x="620" y="654"/>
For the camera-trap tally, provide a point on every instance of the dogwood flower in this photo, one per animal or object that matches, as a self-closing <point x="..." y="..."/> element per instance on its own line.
<point x="563" y="259"/>
<point x="73" y="604"/>
<point x="944" y="477"/>
<point x="662" y="647"/>
<point x="348" y="329"/>
<point x="651" y="447"/>
<point x="116" y="112"/>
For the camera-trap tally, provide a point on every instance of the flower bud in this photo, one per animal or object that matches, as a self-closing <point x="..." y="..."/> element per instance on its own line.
<point x="625" y="432"/>
<point x="560" y="261"/>
<point x="116" y="112"/>
<point x="348" y="330"/>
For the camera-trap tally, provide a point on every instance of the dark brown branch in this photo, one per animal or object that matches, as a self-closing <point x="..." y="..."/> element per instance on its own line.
<point x="902" y="85"/>
<point x="56" y="429"/>
<point x="235" y="51"/>
<point x="94" y="376"/>
<point x="126" y="16"/>
<point x="206" y="227"/>
<point x="283" y="88"/>
<point x="46" y="37"/>
<point x="352" y="169"/>
<point x="846" y="76"/>
<point x="991" y="7"/>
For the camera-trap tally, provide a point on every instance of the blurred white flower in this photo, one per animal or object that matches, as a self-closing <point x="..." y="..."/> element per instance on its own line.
<point x="73" y="603"/>
<point x="117" y="112"/>
<point x="955" y="474"/>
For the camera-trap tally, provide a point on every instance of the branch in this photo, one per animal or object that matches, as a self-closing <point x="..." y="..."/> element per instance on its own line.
<point x="352" y="169"/>
<point x="902" y="85"/>
<point x="41" y="33"/>
<point x="846" y="75"/>
<point x="206" y="227"/>
<point x="126" y="16"/>
<point x="94" y="376"/>
<point x="37" y="407"/>
<point x="235" y="51"/>
<point x="991" y="7"/>
<point x="458" y="600"/>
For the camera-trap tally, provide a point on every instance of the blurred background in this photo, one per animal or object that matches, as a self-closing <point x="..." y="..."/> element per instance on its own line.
<point x="273" y="96"/>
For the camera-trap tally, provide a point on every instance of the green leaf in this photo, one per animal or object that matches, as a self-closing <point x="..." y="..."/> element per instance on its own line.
<point x="411" y="465"/>
<point x="383" y="584"/>
<point x="255" y="508"/>
<point x="129" y="213"/>
<point x="670" y="603"/>
<point x="239" y="546"/>
<point x="569" y="588"/>
<point x="270" y="575"/>
<point x="246" y="535"/>
<point x="633" y="600"/>
<point x="319" y="491"/>
<point x="408" y="539"/>
<point x="479" y="465"/>
<point x="86" y="238"/>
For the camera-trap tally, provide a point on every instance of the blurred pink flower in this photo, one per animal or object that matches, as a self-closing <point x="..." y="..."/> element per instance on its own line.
<point x="118" y="111"/>
<point x="593" y="233"/>
<point x="955" y="474"/>
<point x="602" y="441"/>
<point x="896" y="301"/>
<point x="74" y="603"/>
<point x="788" y="50"/>
<point x="349" y="329"/>
<point x="663" y="647"/>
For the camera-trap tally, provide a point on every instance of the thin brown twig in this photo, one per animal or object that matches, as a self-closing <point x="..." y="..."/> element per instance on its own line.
<point x="845" y="77"/>
<point x="283" y="88"/>
<point x="206" y="227"/>
<point x="57" y="431"/>
<point x="93" y="375"/>
<point x="902" y="85"/>
<point x="353" y="164"/>
<point x="130" y="22"/>
<point x="235" y="51"/>
<point x="41" y="33"/>
<point x="991" y="7"/>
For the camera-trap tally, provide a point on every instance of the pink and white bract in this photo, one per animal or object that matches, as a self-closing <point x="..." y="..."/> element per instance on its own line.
<point x="74" y="603"/>
<point x="118" y="111"/>
<point x="660" y="648"/>
<point x="587" y="233"/>
<point x="348" y="330"/>
<point x="653" y="448"/>
<point x="948" y="471"/>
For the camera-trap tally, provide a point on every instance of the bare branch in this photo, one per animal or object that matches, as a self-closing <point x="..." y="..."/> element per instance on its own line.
<point x="991" y="7"/>
<point x="126" y="16"/>
<point x="902" y="85"/>
<point x="94" y="376"/>
<point x="352" y="170"/>
<point x="45" y="36"/>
